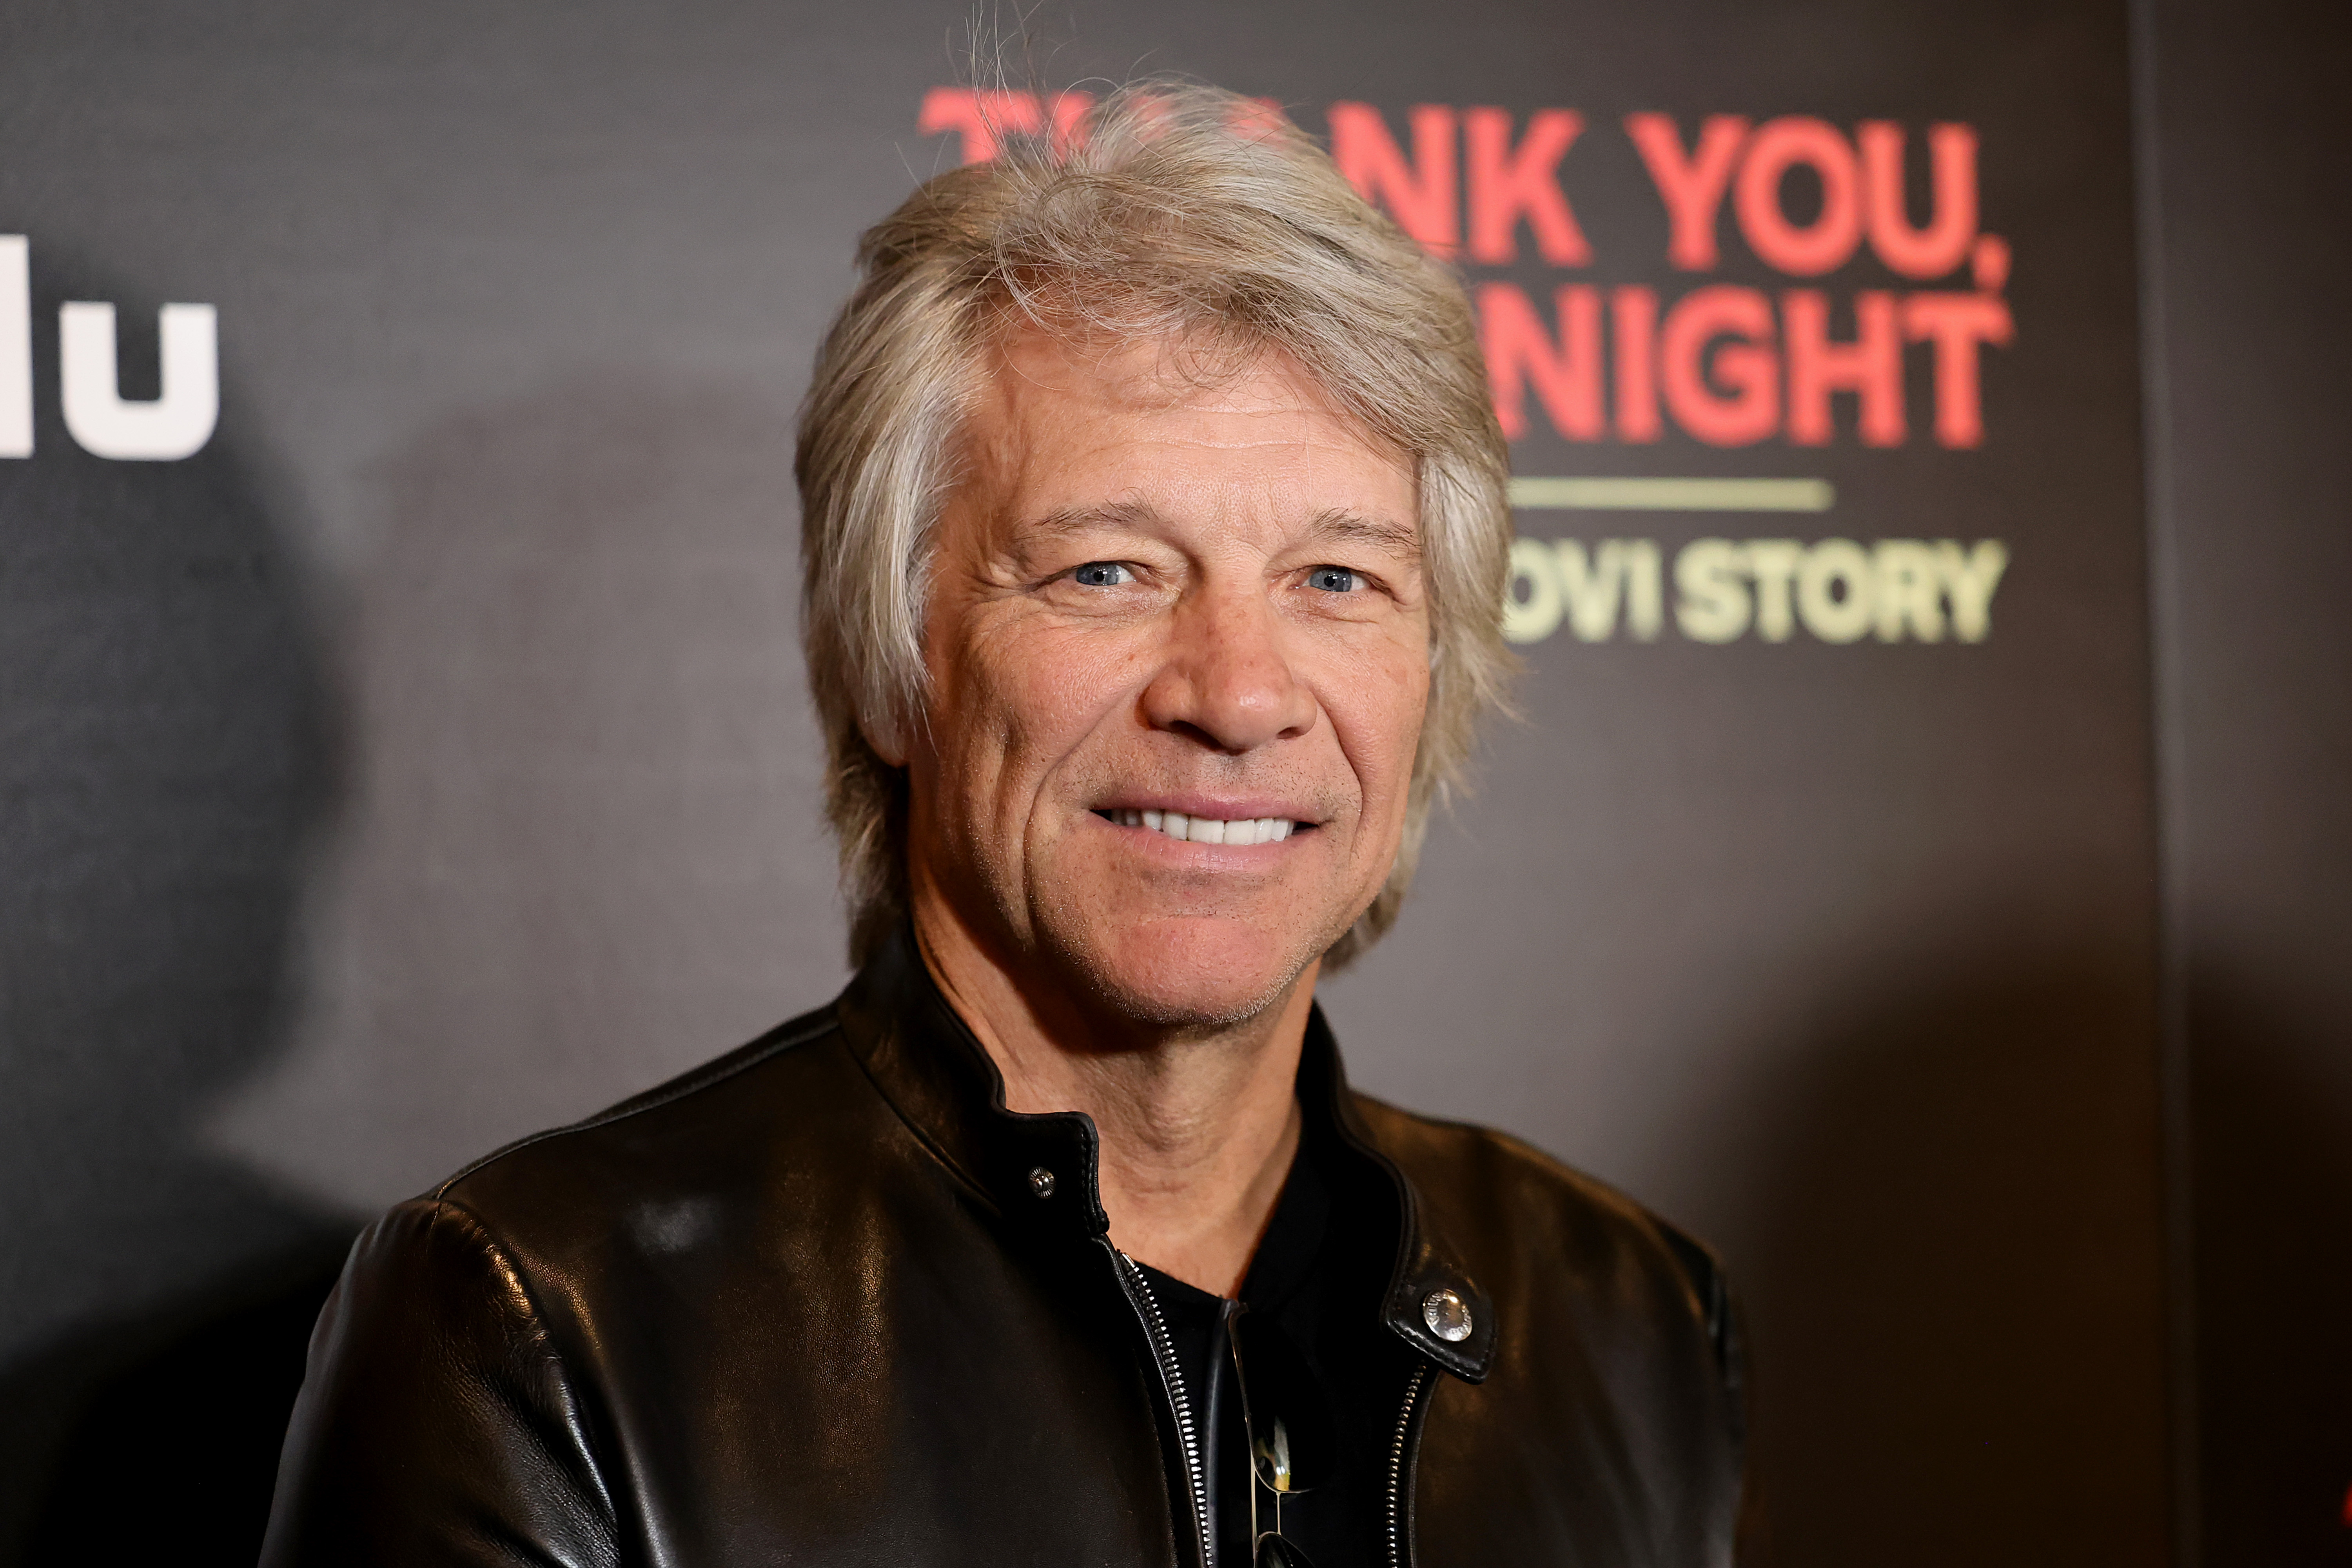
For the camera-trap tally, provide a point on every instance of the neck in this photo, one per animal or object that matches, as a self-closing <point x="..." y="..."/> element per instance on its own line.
<point x="1197" y="1124"/>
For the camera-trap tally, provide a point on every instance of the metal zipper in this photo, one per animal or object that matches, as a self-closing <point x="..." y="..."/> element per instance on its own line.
<point x="1172" y="1375"/>
<point x="1399" y="1550"/>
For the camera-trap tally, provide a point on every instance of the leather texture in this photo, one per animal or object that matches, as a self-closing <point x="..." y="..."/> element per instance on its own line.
<point x="807" y="1305"/>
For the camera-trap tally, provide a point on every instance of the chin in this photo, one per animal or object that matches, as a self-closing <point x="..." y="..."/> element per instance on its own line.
<point x="1196" y="971"/>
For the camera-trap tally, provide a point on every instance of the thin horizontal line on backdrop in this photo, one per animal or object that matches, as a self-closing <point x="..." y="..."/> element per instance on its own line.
<point x="1673" y="495"/>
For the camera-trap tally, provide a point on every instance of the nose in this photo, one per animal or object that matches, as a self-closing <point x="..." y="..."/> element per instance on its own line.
<point x="1226" y="679"/>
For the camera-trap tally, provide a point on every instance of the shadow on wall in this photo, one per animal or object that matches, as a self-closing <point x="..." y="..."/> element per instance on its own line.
<point x="2272" y="1097"/>
<point x="579" y="850"/>
<point x="1952" y="1271"/>
<point x="577" y="854"/>
<point x="166" y="755"/>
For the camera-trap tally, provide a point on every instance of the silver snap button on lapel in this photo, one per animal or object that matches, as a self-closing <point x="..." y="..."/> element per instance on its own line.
<point x="1447" y="1315"/>
<point x="1041" y="1181"/>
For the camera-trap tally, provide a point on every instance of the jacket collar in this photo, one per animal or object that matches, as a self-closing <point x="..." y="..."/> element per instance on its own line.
<point x="1042" y="1173"/>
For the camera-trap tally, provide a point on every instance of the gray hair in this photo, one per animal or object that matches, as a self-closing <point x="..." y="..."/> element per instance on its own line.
<point x="1177" y="212"/>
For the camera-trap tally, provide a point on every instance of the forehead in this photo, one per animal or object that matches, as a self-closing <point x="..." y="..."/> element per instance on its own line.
<point x="1059" y="414"/>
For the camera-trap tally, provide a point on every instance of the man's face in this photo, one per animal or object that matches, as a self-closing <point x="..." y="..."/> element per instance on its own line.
<point x="1198" y="607"/>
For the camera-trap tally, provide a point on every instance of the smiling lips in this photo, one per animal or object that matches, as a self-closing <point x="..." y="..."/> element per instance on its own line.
<point x="1206" y="829"/>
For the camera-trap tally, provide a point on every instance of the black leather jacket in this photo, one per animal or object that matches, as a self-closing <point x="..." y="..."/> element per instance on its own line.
<point x="807" y="1305"/>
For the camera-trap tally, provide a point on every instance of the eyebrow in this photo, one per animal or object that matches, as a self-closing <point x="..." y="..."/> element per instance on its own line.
<point x="1063" y="521"/>
<point x="1338" y="526"/>
<point x="1347" y="527"/>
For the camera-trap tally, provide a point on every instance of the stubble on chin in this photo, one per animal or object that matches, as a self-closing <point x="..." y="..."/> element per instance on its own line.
<point x="1170" y="990"/>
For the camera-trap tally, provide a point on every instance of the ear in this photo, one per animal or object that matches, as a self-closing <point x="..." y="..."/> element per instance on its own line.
<point x="885" y="736"/>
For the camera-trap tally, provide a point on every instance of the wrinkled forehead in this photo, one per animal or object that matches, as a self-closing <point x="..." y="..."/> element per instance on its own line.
<point x="1063" y="404"/>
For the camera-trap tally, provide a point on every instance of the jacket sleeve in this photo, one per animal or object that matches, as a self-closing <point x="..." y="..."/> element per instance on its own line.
<point x="436" y="1424"/>
<point x="1726" y="1332"/>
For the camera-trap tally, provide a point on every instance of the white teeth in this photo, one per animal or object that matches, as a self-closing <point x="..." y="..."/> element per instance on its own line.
<point x="1207" y="830"/>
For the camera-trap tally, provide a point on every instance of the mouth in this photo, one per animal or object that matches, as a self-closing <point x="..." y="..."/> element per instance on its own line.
<point x="1186" y="829"/>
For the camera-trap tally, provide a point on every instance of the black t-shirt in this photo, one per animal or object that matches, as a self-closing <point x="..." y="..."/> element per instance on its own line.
<point x="1313" y="1348"/>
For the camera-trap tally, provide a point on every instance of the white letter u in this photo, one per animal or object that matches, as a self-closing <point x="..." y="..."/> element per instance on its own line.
<point x="175" y="425"/>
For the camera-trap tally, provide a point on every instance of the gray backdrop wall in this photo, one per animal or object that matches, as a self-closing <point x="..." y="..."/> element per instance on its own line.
<point x="1921" y="873"/>
<point x="2253" y="486"/>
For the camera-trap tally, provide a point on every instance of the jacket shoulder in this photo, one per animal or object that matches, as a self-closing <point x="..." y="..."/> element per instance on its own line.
<point x="718" y="1129"/>
<point x="433" y="1398"/>
<point x="1526" y="1221"/>
<point x="1480" y="1165"/>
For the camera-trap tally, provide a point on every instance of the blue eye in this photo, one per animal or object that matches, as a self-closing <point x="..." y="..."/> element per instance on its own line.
<point x="1102" y="574"/>
<point x="1335" y="579"/>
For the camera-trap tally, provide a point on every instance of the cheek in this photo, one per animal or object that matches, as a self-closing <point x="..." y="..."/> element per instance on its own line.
<point x="1021" y="700"/>
<point x="1377" y="713"/>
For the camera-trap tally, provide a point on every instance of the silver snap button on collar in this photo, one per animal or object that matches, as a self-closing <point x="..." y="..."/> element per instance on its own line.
<point x="1447" y="1315"/>
<point x="1041" y="1183"/>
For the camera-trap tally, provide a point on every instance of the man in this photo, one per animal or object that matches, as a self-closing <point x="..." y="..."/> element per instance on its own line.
<point x="1154" y="532"/>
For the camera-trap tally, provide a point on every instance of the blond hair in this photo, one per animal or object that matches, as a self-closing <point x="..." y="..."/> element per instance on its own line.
<point x="1175" y="212"/>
